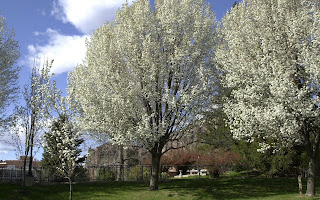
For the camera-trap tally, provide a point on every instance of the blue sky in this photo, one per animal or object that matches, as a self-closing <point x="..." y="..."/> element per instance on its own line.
<point x="57" y="29"/>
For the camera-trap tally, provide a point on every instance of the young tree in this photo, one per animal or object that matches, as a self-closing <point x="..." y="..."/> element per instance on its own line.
<point x="62" y="145"/>
<point x="270" y="56"/>
<point x="148" y="75"/>
<point x="29" y="119"/>
<point x="24" y="123"/>
<point x="51" y="153"/>
<point x="9" y="54"/>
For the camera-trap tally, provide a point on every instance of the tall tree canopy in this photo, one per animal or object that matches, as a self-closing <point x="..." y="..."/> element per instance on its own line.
<point x="148" y="75"/>
<point x="9" y="73"/>
<point x="270" y="54"/>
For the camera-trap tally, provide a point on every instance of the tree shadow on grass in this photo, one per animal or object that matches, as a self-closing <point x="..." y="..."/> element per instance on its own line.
<point x="108" y="190"/>
<point x="81" y="191"/>
<point x="223" y="188"/>
<point x="227" y="188"/>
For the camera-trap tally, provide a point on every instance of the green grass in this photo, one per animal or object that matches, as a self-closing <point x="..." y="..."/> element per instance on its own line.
<point x="204" y="188"/>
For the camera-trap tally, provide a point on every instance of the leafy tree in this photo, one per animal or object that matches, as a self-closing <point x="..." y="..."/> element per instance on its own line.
<point x="270" y="57"/>
<point x="62" y="144"/>
<point x="283" y="162"/>
<point x="215" y="131"/>
<point x="148" y="75"/>
<point x="27" y="120"/>
<point x="43" y="101"/>
<point x="50" y="157"/>
<point x="9" y="54"/>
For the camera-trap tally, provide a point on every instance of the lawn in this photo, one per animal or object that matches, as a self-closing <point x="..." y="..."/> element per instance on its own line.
<point x="204" y="188"/>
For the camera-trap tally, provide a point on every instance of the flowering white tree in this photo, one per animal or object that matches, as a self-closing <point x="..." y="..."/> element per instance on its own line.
<point x="27" y="121"/>
<point x="148" y="75"/>
<point x="270" y="54"/>
<point x="66" y="141"/>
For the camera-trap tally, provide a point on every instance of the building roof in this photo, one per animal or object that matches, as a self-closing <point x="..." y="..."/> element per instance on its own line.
<point x="19" y="163"/>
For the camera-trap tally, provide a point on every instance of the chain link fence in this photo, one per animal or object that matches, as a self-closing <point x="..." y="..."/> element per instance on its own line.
<point x="120" y="173"/>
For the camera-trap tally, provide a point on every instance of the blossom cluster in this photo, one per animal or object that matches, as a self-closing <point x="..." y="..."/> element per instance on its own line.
<point x="269" y="53"/>
<point x="148" y="74"/>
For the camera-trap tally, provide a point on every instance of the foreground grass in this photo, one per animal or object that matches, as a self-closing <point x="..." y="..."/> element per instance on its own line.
<point x="224" y="188"/>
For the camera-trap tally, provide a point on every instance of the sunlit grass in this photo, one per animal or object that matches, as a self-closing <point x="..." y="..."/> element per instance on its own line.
<point x="203" y="188"/>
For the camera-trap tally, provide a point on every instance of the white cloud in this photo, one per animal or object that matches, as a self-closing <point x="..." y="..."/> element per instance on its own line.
<point x="6" y="148"/>
<point x="4" y="152"/>
<point x="67" y="51"/>
<point x="86" y="15"/>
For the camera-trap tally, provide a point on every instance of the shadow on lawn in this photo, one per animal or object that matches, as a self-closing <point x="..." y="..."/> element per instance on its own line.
<point x="108" y="190"/>
<point x="227" y="188"/>
<point x="223" y="188"/>
<point x="61" y="191"/>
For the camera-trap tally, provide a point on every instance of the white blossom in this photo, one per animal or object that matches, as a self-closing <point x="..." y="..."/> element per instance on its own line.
<point x="148" y="74"/>
<point x="270" y="55"/>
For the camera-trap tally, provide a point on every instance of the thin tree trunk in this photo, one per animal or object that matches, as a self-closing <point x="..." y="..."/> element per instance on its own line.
<point x="30" y="161"/>
<point x="25" y="161"/>
<point x="70" y="188"/>
<point x="32" y="132"/>
<point x="24" y="170"/>
<point x="155" y="171"/>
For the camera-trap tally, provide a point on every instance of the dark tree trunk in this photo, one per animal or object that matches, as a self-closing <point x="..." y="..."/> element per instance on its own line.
<point x="30" y="161"/>
<point x="31" y="141"/>
<point x="24" y="169"/>
<point x="311" y="191"/>
<point x="155" y="171"/>
<point x="312" y="151"/>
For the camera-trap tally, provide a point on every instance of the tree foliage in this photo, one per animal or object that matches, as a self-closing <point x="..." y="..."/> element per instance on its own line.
<point x="9" y="73"/>
<point x="27" y="120"/>
<point x="61" y="144"/>
<point x="52" y="141"/>
<point x="284" y="162"/>
<point x="148" y="75"/>
<point x="270" y="56"/>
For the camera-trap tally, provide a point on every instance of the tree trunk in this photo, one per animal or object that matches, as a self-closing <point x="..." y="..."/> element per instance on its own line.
<point x="24" y="171"/>
<point x="70" y="188"/>
<point x="32" y="132"/>
<point x="311" y="190"/>
<point x="155" y="171"/>
<point x="312" y="151"/>
<point x="25" y="164"/>
<point x="30" y="162"/>
<point x="121" y="163"/>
